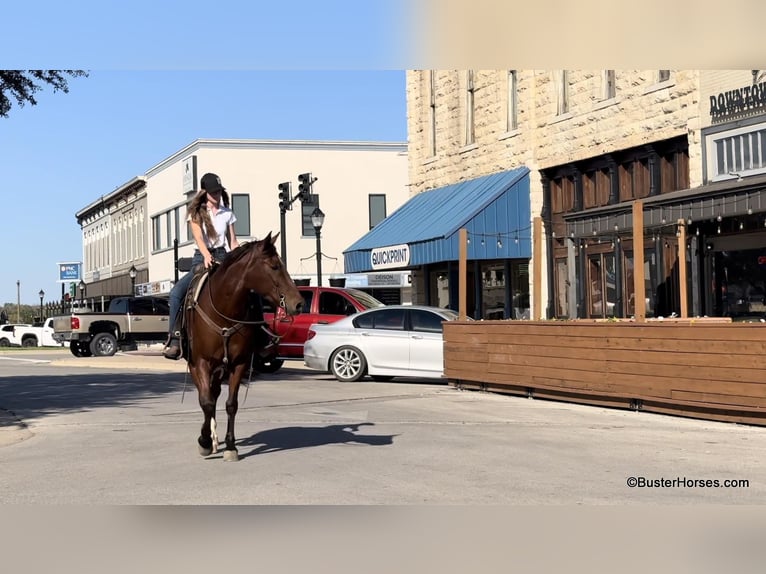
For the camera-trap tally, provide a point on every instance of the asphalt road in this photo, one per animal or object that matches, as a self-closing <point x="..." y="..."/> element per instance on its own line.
<point x="122" y="431"/>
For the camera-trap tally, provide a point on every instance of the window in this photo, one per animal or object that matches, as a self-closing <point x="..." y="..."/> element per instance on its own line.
<point x="156" y="234"/>
<point x="596" y="188"/>
<point x="432" y="112"/>
<point x="389" y="319"/>
<point x="609" y="89"/>
<point x="562" y="93"/>
<point x="240" y="205"/>
<point x="377" y="203"/>
<point x="161" y="307"/>
<point x="469" y="109"/>
<point x="307" y="208"/>
<point x="735" y="154"/>
<point x="663" y="75"/>
<point x="512" y="120"/>
<point x="562" y="194"/>
<point x="332" y="303"/>
<point x="425" y="321"/>
<point x="141" y="307"/>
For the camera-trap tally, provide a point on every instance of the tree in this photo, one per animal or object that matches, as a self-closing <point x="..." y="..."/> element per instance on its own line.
<point x="22" y="85"/>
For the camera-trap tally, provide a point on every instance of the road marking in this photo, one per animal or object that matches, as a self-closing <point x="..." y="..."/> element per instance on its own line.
<point x="23" y="360"/>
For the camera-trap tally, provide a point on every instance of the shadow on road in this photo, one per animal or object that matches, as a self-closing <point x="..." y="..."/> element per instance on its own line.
<point x="288" y="438"/>
<point x="38" y="396"/>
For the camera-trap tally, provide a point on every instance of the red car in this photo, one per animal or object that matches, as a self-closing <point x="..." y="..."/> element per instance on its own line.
<point x="322" y="305"/>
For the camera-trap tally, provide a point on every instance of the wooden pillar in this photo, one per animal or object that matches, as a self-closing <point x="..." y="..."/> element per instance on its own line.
<point x="639" y="284"/>
<point x="682" y="290"/>
<point x="462" y="273"/>
<point x="537" y="268"/>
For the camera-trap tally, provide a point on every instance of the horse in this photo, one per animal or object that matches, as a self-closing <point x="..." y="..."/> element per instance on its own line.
<point x="223" y="328"/>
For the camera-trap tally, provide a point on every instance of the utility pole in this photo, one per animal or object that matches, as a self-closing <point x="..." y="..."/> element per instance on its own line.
<point x="18" y="300"/>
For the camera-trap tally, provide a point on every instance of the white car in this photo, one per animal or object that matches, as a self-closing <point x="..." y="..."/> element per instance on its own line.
<point x="386" y="342"/>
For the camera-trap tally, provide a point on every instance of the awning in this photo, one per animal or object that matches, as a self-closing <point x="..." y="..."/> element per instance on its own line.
<point x="730" y="198"/>
<point x="494" y="209"/>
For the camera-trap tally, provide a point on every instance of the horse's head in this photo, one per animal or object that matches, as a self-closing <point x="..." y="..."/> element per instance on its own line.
<point x="276" y="286"/>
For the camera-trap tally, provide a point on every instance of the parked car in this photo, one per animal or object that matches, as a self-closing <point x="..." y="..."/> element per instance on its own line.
<point x="322" y="305"/>
<point x="35" y="335"/>
<point x="129" y="320"/>
<point x="7" y="337"/>
<point x="387" y="342"/>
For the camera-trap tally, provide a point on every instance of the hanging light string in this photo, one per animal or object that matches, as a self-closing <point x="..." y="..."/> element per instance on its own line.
<point x="500" y="237"/>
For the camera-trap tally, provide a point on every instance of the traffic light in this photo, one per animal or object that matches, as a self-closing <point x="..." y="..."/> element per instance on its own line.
<point x="304" y="186"/>
<point x="285" y="196"/>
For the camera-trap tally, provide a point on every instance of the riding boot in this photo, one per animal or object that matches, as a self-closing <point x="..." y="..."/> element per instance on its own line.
<point x="173" y="346"/>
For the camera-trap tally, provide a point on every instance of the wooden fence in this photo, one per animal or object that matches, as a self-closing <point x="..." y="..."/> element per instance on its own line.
<point x="702" y="369"/>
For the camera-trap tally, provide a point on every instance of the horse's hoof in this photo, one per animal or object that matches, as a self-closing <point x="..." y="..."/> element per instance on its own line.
<point x="230" y="455"/>
<point x="204" y="451"/>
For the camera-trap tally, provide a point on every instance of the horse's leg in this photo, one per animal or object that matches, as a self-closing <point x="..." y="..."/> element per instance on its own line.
<point x="215" y="392"/>
<point x="232" y="404"/>
<point x="201" y="376"/>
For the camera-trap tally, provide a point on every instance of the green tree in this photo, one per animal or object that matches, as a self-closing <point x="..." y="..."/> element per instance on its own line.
<point x="22" y="85"/>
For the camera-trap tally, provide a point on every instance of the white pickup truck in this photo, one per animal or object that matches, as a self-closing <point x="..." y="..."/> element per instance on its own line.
<point x="29" y="336"/>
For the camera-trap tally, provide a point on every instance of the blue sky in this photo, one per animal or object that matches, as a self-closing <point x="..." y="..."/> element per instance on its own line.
<point x="260" y="72"/>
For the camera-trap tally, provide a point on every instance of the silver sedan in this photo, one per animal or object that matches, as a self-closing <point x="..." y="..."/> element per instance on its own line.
<point x="386" y="342"/>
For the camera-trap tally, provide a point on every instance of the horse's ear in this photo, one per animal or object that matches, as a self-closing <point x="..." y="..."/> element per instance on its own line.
<point x="273" y="239"/>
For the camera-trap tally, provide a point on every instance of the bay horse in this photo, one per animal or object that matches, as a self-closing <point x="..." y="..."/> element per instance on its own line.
<point x="223" y="328"/>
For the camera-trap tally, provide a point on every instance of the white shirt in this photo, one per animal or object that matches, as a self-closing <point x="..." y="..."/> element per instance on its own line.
<point x="221" y="221"/>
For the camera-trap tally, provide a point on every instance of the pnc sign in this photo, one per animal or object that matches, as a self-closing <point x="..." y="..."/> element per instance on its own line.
<point x="390" y="257"/>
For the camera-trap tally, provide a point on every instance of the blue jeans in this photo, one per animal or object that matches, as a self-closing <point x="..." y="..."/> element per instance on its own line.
<point x="178" y="292"/>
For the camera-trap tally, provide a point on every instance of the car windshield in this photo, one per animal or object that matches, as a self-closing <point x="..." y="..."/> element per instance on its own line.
<point x="367" y="300"/>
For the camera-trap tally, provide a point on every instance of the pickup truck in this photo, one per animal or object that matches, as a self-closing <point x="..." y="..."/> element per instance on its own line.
<point x="128" y="320"/>
<point x="34" y="336"/>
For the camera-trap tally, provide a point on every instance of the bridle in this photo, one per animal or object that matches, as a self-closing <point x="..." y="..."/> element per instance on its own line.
<point x="227" y="332"/>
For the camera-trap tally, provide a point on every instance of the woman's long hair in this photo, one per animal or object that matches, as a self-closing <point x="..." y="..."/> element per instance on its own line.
<point x="198" y="212"/>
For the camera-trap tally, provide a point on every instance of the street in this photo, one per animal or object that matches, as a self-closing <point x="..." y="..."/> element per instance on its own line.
<point x="122" y="430"/>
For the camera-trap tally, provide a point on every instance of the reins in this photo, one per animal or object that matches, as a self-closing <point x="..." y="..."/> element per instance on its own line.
<point x="227" y="332"/>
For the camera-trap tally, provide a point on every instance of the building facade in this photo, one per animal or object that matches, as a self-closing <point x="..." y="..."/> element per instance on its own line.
<point x="687" y="143"/>
<point x="143" y="224"/>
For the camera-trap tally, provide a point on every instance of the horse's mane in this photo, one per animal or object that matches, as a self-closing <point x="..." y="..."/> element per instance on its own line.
<point x="265" y="245"/>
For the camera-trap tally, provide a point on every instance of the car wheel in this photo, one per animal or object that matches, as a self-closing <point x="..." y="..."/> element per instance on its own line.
<point x="79" y="349"/>
<point x="5" y="343"/>
<point x="268" y="365"/>
<point x="29" y="342"/>
<point x="382" y="378"/>
<point x="348" y="364"/>
<point x="103" y="345"/>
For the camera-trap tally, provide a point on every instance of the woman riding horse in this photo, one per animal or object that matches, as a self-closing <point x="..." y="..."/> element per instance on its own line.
<point x="225" y="327"/>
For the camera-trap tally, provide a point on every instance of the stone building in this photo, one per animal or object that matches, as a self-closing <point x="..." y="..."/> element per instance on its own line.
<point x="592" y="142"/>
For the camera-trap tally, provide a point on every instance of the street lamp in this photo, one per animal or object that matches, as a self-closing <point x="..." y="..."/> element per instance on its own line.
<point x="41" y="294"/>
<point x="132" y="272"/>
<point x="18" y="300"/>
<point x="81" y="285"/>
<point x="317" y="220"/>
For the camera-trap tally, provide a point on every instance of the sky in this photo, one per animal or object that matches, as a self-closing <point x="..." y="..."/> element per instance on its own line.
<point x="149" y="94"/>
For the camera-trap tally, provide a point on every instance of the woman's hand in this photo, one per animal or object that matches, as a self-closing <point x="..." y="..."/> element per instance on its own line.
<point x="208" y="260"/>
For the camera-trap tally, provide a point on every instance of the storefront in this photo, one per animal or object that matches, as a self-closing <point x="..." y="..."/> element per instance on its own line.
<point x="724" y="223"/>
<point x="422" y="237"/>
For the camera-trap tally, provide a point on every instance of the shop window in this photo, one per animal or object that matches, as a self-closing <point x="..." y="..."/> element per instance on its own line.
<point x="602" y="290"/>
<point x="493" y="291"/>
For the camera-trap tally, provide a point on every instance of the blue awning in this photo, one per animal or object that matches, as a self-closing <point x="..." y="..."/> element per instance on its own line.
<point x="494" y="209"/>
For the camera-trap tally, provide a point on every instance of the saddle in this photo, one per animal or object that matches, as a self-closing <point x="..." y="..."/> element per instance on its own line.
<point x="201" y="275"/>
